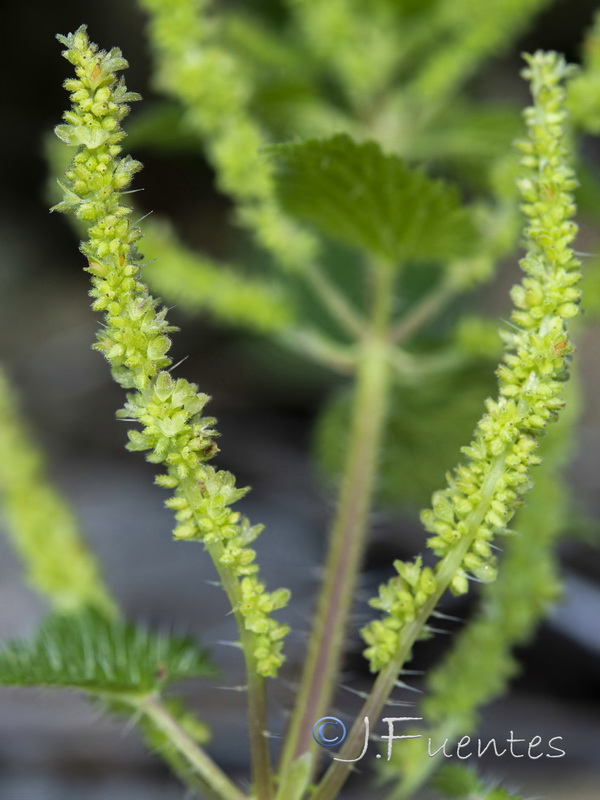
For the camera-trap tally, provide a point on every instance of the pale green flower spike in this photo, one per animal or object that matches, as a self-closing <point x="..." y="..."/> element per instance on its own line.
<point x="41" y="527"/>
<point x="477" y="668"/>
<point x="483" y="493"/>
<point x="339" y="33"/>
<point x="214" y="90"/>
<point x="135" y="342"/>
<point x="194" y="281"/>
<point x="584" y="91"/>
<point x="468" y="32"/>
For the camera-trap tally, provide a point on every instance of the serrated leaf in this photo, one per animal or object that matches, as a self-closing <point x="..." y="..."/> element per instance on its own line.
<point x="427" y="424"/>
<point x="91" y="652"/>
<point x="357" y="194"/>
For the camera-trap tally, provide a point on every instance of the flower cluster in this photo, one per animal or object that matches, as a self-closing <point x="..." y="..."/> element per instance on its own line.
<point x="478" y="666"/>
<point x="135" y="342"/>
<point x="43" y="530"/>
<point x="214" y="90"/>
<point x="401" y="598"/>
<point x="483" y="493"/>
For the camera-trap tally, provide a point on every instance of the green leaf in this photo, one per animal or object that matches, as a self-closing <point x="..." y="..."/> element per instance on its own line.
<point x="357" y="194"/>
<point x="426" y="426"/>
<point x="90" y="652"/>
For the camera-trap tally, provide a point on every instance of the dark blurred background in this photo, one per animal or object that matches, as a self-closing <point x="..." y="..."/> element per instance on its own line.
<point x="54" y="747"/>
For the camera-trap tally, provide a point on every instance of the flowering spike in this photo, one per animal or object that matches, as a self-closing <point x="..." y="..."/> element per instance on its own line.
<point x="135" y="341"/>
<point x="484" y="493"/>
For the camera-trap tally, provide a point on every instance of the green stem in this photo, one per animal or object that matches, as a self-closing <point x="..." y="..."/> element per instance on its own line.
<point x="312" y="344"/>
<point x="294" y="783"/>
<point x="215" y="782"/>
<point x="350" y="525"/>
<point x="411" y="369"/>
<point x="257" y="731"/>
<point x="257" y="700"/>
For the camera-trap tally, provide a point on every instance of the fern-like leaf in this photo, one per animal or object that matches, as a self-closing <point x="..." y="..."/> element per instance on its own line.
<point x="91" y="652"/>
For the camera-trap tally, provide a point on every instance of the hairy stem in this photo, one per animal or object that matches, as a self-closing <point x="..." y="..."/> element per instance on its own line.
<point x="257" y="699"/>
<point x="349" y="528"/>
<point x="337" y="774"/>
<point x="215" y="782"/>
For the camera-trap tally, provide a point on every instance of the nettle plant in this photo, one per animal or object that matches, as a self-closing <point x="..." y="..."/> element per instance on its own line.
<point x="372" y="100"/>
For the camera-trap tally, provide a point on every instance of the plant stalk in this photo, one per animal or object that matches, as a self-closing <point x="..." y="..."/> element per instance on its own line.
<point x="257" y="706"/>
<point x="215" y="782"/>
<point x="262" y="778"/>
<point x="312" y="344"/>
<point x="350" y="525"/>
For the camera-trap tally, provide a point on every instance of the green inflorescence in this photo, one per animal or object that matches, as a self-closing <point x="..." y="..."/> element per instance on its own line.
<point x="484" y="493"/>
<point x="135" y="341"/>
<point x="42" y="528"/>
<point x="194" y="281"/>
<point x="469" y="32"/>
<point x="214" y="90"/>
<point x="480" y="663"/>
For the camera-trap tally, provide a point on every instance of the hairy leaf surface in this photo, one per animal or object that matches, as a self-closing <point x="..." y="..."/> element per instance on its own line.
<point x="90" y="652"/>
<point x="359" y="195"/>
